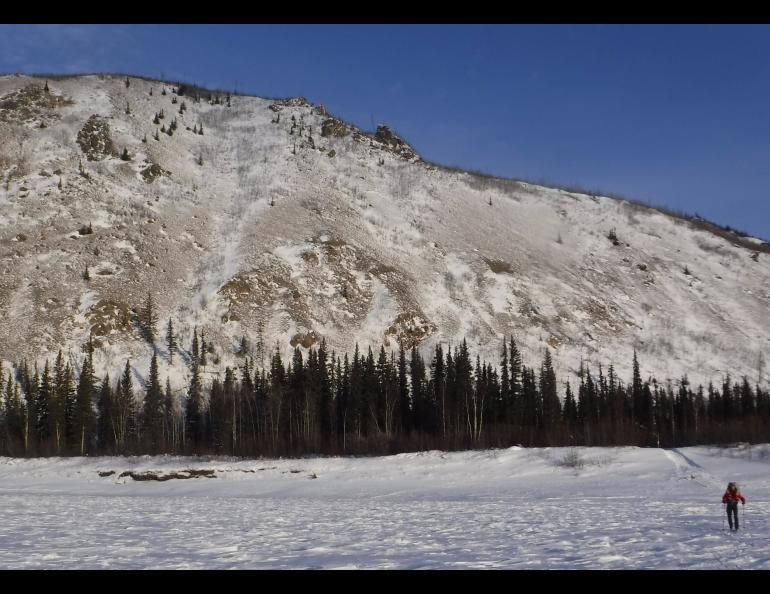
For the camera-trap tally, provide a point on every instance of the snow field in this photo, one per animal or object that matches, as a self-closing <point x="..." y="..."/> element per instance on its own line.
<point x="613" y="508"/>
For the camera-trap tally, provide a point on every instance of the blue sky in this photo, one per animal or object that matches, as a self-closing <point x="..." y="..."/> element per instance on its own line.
<point x="673" y="115"/>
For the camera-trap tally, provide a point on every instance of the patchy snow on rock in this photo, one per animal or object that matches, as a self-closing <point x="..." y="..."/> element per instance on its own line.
<point x="347" y="246"/>
<point x="124" y="245"/>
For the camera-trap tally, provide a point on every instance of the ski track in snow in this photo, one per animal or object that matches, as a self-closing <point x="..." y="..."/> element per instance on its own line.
<point x="495" y="509"/>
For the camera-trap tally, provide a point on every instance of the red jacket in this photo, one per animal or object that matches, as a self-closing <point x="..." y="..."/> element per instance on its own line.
<point x="733" y="497"/>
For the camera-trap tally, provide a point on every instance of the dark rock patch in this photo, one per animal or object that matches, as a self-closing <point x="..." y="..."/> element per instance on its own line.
<point x="94" y="139"/>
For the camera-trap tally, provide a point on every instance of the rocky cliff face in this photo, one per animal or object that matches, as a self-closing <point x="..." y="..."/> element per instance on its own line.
<point x="239" y="223"/>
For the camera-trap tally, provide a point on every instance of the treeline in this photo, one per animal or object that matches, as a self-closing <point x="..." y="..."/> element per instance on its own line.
<point x="368" y="404"/>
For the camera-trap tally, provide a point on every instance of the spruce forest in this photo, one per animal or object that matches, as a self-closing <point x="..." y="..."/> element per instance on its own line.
<point x="370" y="403"/>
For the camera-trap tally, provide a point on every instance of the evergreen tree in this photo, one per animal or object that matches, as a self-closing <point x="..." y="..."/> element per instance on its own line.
<point x="516" y="410"/>
<point x="106" y="421"/>
<point x="729" y="408"/>
<point x="479" y="397"/>
<point x="748" y="403"/>
<point x="569" y="412"/>
<point x="370" y="395"/>
<point x="504" y="405"/>
<point x="548" y="391"/>
<point x="438" y="383"/>
<point x="204" y="349"/>
<point x="31" y="386"/>
<point x="355" y="393"/>
<point x="423" y="413"/>
<point x="126" y="429"/>
<point x="243" y="348"/>
<point x="342" y="398"/>
<point x="297" y="381"/>
<point x="533" y="404"/>
<point x="169" y="418"/>
<point x="68" y="392"/>
<point x="195" y="349"/>
<point x="171" y="343"/>
<point x="12" y="415"/>
<point x="84" y="414"/>
<point x="325" y="391"/>
<point x="17" y="419"/>
<point x="636" y="392"/>
<point x="464" y="389"/>
<point x="218" y="417"/>
<point x="452" y="414"/>
<point x="44" y="400"/>
<point x="647" y="415"/>
<point x="148" y="319"/>
<point x="276" y="406"/>
<point x="3" y="426"/>
<point x="153" y="414"/>
<point x="404" y="411"/>
<point x="57" y="404"/>
<point x="195" y="429"/>
<point x="714" y="404"/>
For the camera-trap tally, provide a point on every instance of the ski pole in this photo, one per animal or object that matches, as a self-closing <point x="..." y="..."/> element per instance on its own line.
<point x="724" y="511"/>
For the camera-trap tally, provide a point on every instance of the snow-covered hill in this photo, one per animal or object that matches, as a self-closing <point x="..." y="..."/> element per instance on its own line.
<point x="285" y="225"/>
<point x="587" y="508"/>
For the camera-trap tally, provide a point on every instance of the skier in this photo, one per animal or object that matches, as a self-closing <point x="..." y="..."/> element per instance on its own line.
<point x="731" y="497"/>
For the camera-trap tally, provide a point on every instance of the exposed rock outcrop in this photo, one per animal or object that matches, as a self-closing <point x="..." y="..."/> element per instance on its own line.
<point x="394" y="143"/>
<point x="94" y="139"/>
<point x="334" y="127"/>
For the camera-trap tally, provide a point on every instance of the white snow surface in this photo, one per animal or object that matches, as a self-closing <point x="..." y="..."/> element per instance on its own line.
<point x="623" y="508"/>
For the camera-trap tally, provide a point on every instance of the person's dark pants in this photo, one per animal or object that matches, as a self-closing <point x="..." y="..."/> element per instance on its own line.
<point x="732" y="511"/>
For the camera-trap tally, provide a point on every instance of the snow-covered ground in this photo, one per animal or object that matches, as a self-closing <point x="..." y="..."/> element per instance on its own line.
<point x="512" y="508"/>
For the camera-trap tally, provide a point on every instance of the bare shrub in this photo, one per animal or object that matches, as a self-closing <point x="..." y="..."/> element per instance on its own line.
<point x="572" y="459"/>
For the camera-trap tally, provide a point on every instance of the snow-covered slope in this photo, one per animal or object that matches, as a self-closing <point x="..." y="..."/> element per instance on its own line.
<point x="613" y="508"/>
<point x="253" y="229"/>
